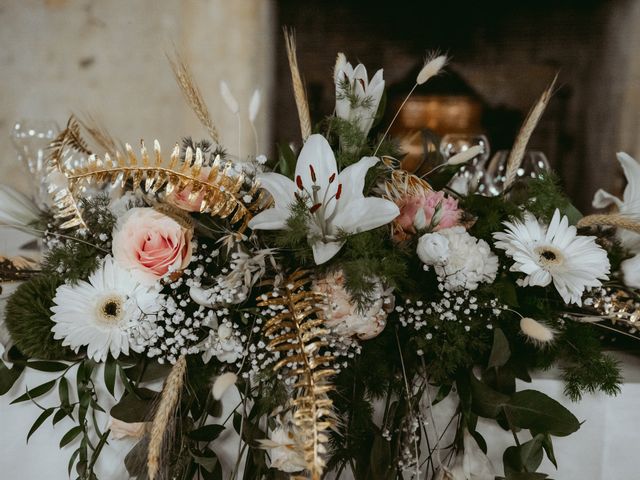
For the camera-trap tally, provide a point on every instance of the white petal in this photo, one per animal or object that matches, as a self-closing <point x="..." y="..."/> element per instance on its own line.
<point x="632" y="172"/>
<point x="365" y="214"/>
<point x="317" y="153"/>
<point x="604" y="199"/>
<point x="325" y="251"/>
<point x="280" y="187"/>
<point x="270" y="219"/>
<point x="222" y="383"/>
<point x="352" y="179"/>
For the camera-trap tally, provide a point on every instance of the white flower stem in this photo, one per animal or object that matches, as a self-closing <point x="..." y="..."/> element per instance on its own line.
<point x="406" y="386"/>
<point x="386" y="132"/>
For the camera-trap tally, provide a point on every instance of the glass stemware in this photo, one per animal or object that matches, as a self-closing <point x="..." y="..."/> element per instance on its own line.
<point x="534" y="163"/>
<point x="31" y="139"/>
<point x="469" y="177"/>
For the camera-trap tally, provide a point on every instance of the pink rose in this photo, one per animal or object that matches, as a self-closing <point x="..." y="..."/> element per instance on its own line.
<point x="430" y="211"/>
<point x="184" y="200"/>
<point x="341" y="314"/>
<point x="151" y="244"/>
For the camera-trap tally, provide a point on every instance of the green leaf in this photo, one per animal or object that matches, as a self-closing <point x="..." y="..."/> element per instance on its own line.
<point x="72" y="460"/>
<point x="47" y="366"/>
<point x="287" y="163"/>
<point x="35" y="392"/>
<point x="208" y="433"/>
<point x="63" y="392"/>
<point x="39" y="421"/>
<point x="134" y="408"/>
<point x="8" y="377"/>
<point x="547" y="444"/>
<point x="70" y="435"/>
<point x="380" y="459"/>
<point x="208" y="463"/>
<point x="531" y="409"/>
<point x="531" y="453"/>
<point x="485" y="401"/>
<point x="110" y="370"/>
<point x="500" y="351"/>
<point x="526" y="476"/>
<point x="443" y="392"/>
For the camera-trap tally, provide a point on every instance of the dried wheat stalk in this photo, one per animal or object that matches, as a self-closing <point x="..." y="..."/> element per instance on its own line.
<point x="520" y="145"/>
<point x="192" y="93"/>
<point x="170" y="395"/>
<point x="610" y="220"/>
<point x="299" y="92"/>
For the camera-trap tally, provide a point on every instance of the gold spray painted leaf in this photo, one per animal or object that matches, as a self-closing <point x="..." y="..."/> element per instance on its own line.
<point x="297" y="331"/>
<point x="221" y="189"/>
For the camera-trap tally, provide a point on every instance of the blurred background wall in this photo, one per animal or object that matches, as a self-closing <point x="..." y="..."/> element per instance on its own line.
<point x="107" y="58"/>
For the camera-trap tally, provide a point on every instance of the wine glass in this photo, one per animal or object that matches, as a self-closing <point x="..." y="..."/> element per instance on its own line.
<point x="468" y="179"/>
<point x="534" y="164"/>
<point x="31" y="139"/>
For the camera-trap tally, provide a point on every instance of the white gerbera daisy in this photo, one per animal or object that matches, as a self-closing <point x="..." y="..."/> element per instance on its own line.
<point x="554" y="253"/>
<point x="99" y="313"/>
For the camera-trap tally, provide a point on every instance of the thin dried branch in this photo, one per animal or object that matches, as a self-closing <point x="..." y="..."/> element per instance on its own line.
<point x="192" y="93"/>
<point x="299" y="91"/>
<point x="100" y="134"/>
<point x="222" y="190"/>
<point x="520" y="145"/>
<point x="296" y="332"/>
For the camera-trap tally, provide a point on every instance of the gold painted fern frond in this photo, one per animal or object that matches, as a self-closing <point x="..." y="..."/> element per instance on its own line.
<point x="223" y="191"/>
<point x="296" y="330"/>
<point x="65" y="205"/>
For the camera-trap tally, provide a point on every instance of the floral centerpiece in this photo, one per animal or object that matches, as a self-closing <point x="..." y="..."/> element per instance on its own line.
<point x="340" y="296"/>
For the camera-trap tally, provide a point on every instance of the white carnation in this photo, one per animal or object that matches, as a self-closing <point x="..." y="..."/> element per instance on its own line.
<point x="460" y="261"/>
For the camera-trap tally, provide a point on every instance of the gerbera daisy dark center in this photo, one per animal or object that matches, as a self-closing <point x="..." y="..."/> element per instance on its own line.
<point x="110" y="309"/>
<point x="549" y="256"/>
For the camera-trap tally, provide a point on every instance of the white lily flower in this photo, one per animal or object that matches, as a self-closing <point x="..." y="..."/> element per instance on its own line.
<point x="630" y="203"/>
<point x="367" y="92"/>
<point x="336" y="202"/>
<point x="15" y="208"/>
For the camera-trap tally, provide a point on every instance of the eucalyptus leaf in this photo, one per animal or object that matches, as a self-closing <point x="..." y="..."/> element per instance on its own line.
<point x="531" y="409"/>
<point x="207" y="433"/>
<point x="531" y="453"/>
<point x="485" y="401"/>
<point x="134" y="408"/>
<point x="500" y="351"/>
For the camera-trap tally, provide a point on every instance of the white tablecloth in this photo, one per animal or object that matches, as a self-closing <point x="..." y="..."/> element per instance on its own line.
<point x="604" y="448"/>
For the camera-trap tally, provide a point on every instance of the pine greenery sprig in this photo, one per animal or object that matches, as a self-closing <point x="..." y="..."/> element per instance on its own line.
<point x="28" y="318"/>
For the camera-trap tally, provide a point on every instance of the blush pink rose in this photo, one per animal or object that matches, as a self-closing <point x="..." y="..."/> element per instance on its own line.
<point x="342" y="315"/>
<point x="151" y="244"/>
<point x="183" y="199"/>
<point x="417" y="213"/>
